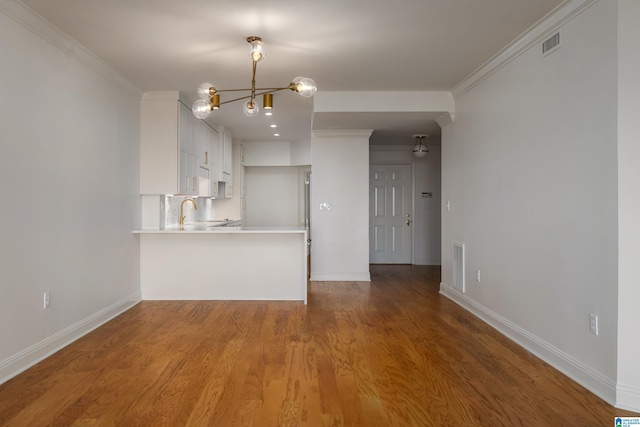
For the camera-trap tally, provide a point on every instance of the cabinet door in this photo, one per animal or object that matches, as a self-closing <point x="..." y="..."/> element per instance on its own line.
<point x="213" y="181"/>
<point x="202" y="142"/>
<point x="204" y="181"/>
<point x="214" y="154"/>
<point x="227" y="160"/>
<point x="243" y="182"/>
<point x="185" y="127"/>
<point x="186" y="171"/>
<point x="189" y="180"/>
<point x="184" y="174"/>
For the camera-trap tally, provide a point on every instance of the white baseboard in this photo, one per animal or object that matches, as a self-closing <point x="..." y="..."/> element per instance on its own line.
<point x="628" y="398"/>
<point x="340" y="277"/>
<point x="25" y="359"/>
<point x="603" y="387"/>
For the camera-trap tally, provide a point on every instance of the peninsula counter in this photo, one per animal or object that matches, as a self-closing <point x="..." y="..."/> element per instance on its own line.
<point x="197" y="262"/>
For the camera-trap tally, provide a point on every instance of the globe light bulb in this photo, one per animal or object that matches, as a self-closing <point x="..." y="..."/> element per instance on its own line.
<point x="250" y="108"/>
<point x="305" y="86"/>
<point x="204" y="91"/>
<point x="201" y="109"/>
<point x="420" y="150"/>
<point x="257" y="50"/>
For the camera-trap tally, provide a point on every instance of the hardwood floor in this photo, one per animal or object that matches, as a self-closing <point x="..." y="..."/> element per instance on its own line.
<point x="389" y="353"/>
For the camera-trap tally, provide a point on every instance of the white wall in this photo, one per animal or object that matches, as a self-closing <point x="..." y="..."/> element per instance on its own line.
<point x="69" y="175"/>
<point x="277" y="153"/>
<point x="273" y="196"/>
<point x="628" y="204"/>
<point x="340" y="178"/>
<point x="530" y="169"/>
<point x="426" y="179"/>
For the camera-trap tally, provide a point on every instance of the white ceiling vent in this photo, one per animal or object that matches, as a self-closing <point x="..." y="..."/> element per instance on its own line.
<point x="551" y="44"/>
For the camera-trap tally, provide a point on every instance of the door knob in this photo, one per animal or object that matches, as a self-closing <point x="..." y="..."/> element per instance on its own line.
<point x="408" y="222"/>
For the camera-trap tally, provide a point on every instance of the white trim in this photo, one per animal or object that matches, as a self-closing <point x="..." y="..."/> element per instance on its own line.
<point x="594" y="381"/>
<point x="628" y="398"/>
<point x="42" y="28"/>
<point x="400" y="147"/>
<point x="346" y="133"/>
<point x="446" y="119"/>
<point x="553" y="21"/>
<point x="25" y="359"/>
<point x="340" y="277"/>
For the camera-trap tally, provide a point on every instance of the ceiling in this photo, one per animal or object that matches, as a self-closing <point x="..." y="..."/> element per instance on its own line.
<point x="355" y="45"/>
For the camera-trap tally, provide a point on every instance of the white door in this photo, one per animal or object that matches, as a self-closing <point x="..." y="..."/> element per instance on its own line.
<point x="390" y="220"/>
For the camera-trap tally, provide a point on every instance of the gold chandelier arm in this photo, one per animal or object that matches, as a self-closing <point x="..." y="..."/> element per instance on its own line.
<point x="233" y="90"/>
<point x="235" y="99"/>
<point x="253" y="81"/>
<point x="267" y="90"/>
<point x="210" y="95"/>
<point x="270" y="90"/>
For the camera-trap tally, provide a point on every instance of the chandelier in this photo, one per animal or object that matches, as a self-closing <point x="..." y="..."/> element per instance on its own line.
<point x="210" y="95"/>
<point x="420" y="149"/>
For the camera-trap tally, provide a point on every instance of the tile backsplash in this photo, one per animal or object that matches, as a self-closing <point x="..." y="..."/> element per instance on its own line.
<point x="170" y="210"/>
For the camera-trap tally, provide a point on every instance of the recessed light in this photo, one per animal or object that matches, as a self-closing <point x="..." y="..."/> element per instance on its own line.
<point x="274" y="126"/>
<point x="276" y="134"/>
<point x="268" y="113"/>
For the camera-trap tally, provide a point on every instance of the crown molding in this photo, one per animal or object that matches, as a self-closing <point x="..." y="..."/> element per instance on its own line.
<point x="446" y="119"/>
<point x="42" y="28"/>
<point x="551" y="22"/>
<point x="346" y="133"/>
<point x="401" y="147"/>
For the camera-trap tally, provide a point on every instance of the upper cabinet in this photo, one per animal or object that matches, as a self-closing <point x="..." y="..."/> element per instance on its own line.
<point x="226" y="154"/>
<point x="179" y="154"/>
<point x="226" y="162"/>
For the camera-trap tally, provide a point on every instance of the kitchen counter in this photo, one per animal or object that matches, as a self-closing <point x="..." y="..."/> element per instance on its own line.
<point x="201" y="262"/>
<point x="206" y="228"/>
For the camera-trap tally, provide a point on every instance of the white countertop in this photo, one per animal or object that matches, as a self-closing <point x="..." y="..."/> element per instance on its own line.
<point x="203" y="228"/>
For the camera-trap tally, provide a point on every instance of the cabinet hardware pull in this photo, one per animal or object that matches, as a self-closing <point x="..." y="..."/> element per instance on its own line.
<point x="408" y="222"/>
<point x="194" y="183"/>
<point x="206" y="157"/>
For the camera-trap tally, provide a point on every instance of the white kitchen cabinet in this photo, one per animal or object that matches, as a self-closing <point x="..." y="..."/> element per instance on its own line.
<point x="213" y="159"/>
<point x="188" y="152"/>
<point x="179" y="154"/>
<point x="227" y="160"/>
<point x="225" y="165"/>
<point x="226" y="154"/>
<point x="188" y="174"/>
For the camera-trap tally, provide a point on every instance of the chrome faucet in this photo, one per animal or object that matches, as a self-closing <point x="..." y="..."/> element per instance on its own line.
<point x="189" y="199"/>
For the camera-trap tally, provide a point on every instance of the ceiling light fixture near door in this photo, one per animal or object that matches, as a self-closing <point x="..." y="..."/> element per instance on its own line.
<point x="420" y="149"/>
<point x="210" y="95"/>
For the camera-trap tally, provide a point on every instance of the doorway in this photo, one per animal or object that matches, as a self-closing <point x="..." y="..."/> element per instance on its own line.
<point x="390" y="214"/>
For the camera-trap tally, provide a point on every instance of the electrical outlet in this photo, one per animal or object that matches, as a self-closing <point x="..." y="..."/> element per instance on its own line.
<point x="47" y="299"/>
<point x="477" y="275"/>
<point x="593" y="323"/>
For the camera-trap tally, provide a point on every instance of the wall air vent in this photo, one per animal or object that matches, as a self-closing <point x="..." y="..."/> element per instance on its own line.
<point x="551" y="44"/>
<point x="458" y="266"/>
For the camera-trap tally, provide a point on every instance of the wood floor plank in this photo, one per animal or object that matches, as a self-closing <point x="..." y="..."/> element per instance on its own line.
<point x="392" y="352"/>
